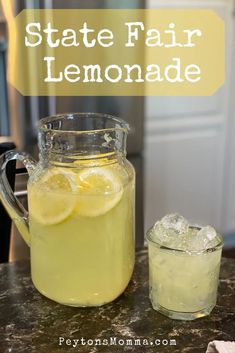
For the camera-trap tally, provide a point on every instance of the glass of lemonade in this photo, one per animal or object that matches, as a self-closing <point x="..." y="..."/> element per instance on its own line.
<point x="184" y="266"/>
<point x="81" y="209"/>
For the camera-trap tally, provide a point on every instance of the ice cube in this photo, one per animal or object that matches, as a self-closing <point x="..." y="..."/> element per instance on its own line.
<point x="204" y="239"/>
<point x="158" y="233"/>
<point x="176" y="223"/>
<point x="209" y="235"/>
<point x="170" y="231"/>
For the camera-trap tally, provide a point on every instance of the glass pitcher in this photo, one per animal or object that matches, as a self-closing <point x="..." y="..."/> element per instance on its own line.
<point x="80" y="224"/>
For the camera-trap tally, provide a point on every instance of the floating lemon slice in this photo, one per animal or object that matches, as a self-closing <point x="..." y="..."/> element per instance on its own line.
<point x="50" y="199"/>
<point x="99" y="190"/>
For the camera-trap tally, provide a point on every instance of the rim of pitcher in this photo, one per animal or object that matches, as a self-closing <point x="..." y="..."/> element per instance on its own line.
<point x="122" y="124"/>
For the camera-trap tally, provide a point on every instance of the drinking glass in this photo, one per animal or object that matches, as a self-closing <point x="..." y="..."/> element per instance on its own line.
<point x="183" y="284"/>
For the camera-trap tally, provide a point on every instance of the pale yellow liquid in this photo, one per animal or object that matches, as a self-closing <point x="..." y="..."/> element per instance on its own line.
<point x="85" y="261"/>
<point x="182" y="282"/>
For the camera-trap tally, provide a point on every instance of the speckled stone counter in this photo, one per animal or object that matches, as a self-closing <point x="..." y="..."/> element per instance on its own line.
<point x="30" y="323"/>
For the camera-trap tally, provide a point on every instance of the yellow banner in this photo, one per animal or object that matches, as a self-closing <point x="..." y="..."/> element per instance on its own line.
<point x="116" y="52"/>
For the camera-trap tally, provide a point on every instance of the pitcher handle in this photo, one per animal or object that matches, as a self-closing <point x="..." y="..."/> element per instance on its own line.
<point x="15" y="209"/>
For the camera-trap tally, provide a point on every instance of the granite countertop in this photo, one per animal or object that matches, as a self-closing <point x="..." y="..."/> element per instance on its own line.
<point x="30" y="323"/>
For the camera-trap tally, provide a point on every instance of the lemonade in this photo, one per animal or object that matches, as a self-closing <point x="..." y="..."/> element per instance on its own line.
<point x="82" y="232"/>
<point x="184" y="283"/>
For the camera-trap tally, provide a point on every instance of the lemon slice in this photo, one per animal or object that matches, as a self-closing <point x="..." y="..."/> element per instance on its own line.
<point x="99" y="190"/>
<point x="50" y="199"/>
